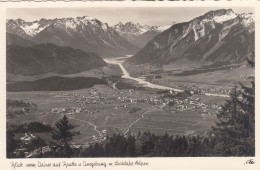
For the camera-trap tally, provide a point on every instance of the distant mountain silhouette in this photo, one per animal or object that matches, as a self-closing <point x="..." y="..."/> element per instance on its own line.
<point x="138" y="34"/>
<point x="45" y="58"/>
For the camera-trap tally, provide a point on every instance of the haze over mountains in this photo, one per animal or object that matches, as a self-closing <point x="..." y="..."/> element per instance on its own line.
<point x="69" y="45"/>
<point x="138" y="34"/>
<point x="220" y="36"/>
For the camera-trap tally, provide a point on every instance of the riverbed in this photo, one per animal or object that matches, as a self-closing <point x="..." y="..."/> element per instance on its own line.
<point x="120" y="60"/>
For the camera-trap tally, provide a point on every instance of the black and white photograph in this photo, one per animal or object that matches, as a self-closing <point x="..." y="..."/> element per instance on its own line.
<point x="123" y="82"/>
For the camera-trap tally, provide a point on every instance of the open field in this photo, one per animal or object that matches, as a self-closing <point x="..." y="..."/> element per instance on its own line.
<point x="184" y="123"/>
<point x="180" y="74"/>
<point x="113" y="115"/>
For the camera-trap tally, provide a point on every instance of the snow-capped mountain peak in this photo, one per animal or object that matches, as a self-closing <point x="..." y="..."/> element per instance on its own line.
<point x="70" y="24"/>
<point x="131" y="28"/>
<point x="218" y="16"/>
<point x="162" y="27"/>
<point x="247" y="18"/>
<point x="223" y="18"/>
<point x="30" y="28"/>
<point x="86" y="18"/>
<point x="33" y="28"/>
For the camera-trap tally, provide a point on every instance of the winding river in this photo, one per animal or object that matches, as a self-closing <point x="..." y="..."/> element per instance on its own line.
<point x="120" y="60"/>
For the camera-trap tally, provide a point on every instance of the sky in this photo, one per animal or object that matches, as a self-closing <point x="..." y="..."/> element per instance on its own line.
<point x="111" y="15"/>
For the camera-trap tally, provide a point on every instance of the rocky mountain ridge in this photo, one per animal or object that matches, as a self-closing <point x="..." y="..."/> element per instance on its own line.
<point x="85" y="33"/>
<point x="220" y="36"/>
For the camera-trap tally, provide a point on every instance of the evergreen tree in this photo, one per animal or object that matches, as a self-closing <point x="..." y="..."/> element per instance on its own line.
<point x="98" y="150"/>
<point x="235" y="129"/>
<point x="247" y="104"/>
<point x="11" y="143"/>
<point x="147" y="143"/>
<point x="158" y="148"/>
<point x="130" y="149"/>
<point x="62" y="135"/>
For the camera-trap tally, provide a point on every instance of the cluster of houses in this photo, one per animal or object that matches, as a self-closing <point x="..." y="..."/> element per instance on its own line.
<point x="99" y="138"/>
<point x="38" y="151"/>
<point x="250" y="76"/>
<point x="191" y="104"/>
<point x="27" y="138"/>
<point x="195" y="89"/>
<point x="127" y="96"/>
<point x="95" y="97"/>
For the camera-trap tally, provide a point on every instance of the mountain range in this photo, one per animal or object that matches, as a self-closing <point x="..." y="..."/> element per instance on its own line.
<point x="220" y="36"/>
<point x="50" y="45"/>
<point x="85" y="33"/>
<point x="138" y="34"/>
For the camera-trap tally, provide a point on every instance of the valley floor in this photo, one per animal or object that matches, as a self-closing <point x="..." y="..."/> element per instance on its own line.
<point x="111" y="111"/>
<point x="106" y="109"/>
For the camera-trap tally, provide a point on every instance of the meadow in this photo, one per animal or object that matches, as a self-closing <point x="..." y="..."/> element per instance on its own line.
<point x="100" y="119"/>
